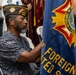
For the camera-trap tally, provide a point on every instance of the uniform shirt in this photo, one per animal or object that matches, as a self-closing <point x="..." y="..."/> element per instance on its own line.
<point x="11" y="48"/>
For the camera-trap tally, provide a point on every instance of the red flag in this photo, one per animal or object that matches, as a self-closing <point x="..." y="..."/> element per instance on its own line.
<point x="39" y="11"/>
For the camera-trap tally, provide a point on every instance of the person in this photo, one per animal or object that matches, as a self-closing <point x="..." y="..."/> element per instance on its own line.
<point x="6" y="2"/>
<point x="0" y="7"/>
<point x="74" y="14"/>
<point x="74" y="11"/>
<point x="24" y="33"/>
<point x="15" y="52"/>
<point x="74" y="7"/>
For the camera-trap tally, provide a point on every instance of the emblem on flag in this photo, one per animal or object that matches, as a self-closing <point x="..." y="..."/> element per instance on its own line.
<point x="64" y="22"/>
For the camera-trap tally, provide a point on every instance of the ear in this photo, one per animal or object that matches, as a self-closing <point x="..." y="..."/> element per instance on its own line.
<point x="11" y="21"/>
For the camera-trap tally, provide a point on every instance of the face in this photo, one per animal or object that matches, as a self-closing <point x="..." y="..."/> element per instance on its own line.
<point x="20" y="23"/>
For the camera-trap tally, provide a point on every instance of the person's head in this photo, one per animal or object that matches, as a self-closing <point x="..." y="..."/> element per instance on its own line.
<point x="15" y="17"/>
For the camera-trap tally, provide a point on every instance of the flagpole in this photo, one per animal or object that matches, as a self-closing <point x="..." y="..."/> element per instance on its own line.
<point x="34" y="12"/>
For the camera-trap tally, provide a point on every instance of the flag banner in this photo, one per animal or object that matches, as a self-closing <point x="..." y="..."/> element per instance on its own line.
<point x="39" y="12"/>
<point x="36" y="19"/>
<point x="58" y="54"/>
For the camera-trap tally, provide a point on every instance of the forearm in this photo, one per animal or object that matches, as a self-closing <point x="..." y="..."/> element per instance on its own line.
<point x="0" y="7"/>
<point x="74" y="7"/>
<point x="31" y="56"/>
<point x="36" y="52"/>
<point x="74" y="11"/>
<point x="38" y="60"/>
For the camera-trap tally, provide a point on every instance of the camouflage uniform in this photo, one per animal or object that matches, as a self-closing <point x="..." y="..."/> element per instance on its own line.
<point x="11" y="48"/>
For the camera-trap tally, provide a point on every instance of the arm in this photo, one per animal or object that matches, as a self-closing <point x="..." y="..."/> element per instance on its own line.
<point x="0" y="7"/>
<point x="74" y="11"/>
<point x="74" y="7"/>
<point x="31" y="56"/>
<point x="38" y="60"/>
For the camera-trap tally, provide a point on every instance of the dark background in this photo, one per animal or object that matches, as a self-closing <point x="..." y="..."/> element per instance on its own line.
<point x="1" y="25"/>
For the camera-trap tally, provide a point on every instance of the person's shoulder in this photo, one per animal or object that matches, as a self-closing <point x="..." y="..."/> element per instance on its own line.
<point x="3" y="40"/>
<point x="7" y="41"/>
<point x="6" y="37"/>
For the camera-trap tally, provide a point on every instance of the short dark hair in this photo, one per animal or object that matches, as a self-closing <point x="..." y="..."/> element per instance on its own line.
<point x="7" y="19"/>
